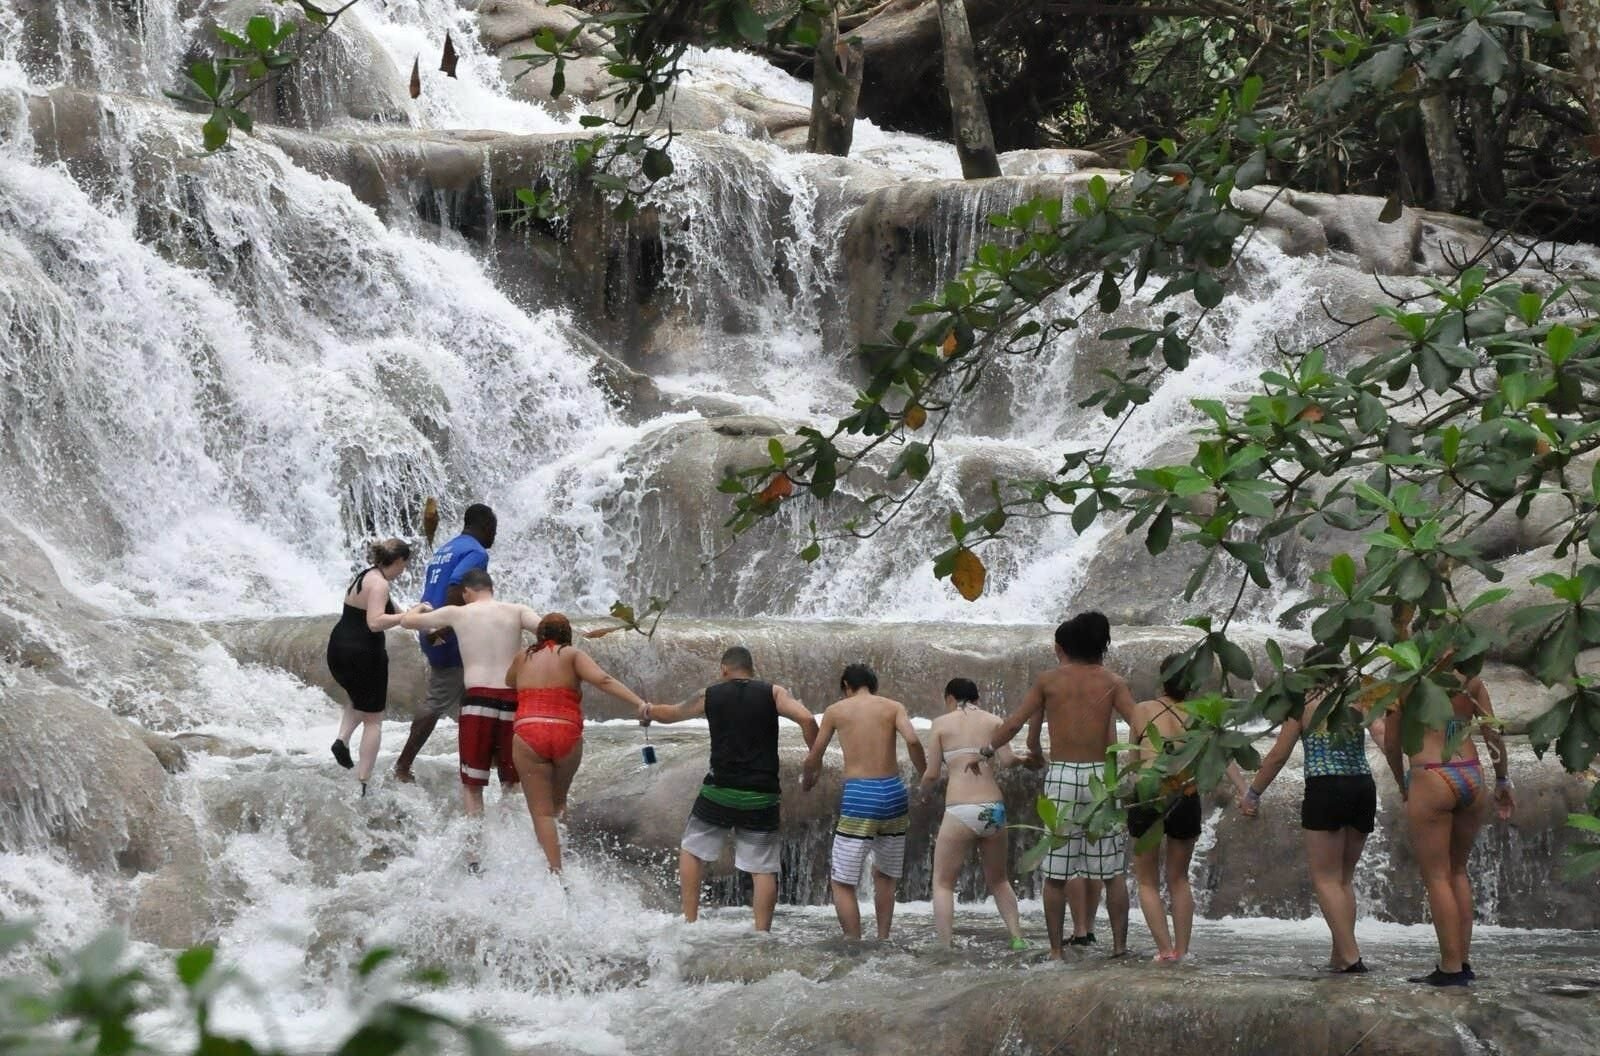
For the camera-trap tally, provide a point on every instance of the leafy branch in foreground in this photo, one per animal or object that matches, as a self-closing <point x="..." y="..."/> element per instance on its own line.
<point x="256" y="57"/>
<point x="98" y="1002"/>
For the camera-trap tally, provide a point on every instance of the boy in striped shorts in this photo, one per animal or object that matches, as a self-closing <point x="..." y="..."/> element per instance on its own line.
<point x="874" y="811"/>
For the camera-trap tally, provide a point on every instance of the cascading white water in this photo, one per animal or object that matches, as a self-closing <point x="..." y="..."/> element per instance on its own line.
<point x="218" y="376"/>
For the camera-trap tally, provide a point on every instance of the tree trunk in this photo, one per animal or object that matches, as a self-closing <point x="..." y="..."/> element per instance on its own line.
<point x="1452" y="183"/>
<point x="974" y="138"/>
<point x="835" y="90"/>
<point x="1490" y="165"/>
<point x="1580" y="19"/>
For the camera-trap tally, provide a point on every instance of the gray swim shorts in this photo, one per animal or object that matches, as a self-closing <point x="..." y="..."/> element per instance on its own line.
<point x="753" y="852"/>
<point x="447" y="688"/>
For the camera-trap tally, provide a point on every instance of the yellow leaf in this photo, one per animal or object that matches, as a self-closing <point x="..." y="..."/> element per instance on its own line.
<point x="430" y="519"/>
<point x="916" y="417"/>
<point x="949" y="345"/>
<point x="781" y="487"/>
<point x="969" y="574"/>
<point x="1312" y="413"/>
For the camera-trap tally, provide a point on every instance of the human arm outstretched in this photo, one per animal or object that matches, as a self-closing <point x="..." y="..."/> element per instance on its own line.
<point x="790" y="707"/>
<point x="692" y="708"/>
<point x="812" y="767"/>
<point x="584" y="667"/>
<point x="908" y="733"/>
<point x="1272" y="765"/>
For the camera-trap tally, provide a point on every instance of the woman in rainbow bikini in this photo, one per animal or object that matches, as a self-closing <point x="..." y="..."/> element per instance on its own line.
<point x="1447" y="802"/>
<point x="548" y="730"/>
<point x="974" y="812"/>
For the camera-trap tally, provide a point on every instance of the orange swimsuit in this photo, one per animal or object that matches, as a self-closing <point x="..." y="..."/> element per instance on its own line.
<point x="550" y="718"/>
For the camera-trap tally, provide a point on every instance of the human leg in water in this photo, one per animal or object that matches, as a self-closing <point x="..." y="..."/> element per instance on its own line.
<point x="883" y="890"/>
<point x="1467" y="823"/>
<point x="539" y="788"/>
<point x="421" y="729"/>
<point x="848" y="909"/>
<point x="371" y="740"/>
<point x="1180" y="894"/>
<point x="992" y="851"/>
<point x="691" y="870"/>
<point x="1355" y="841"/>
<point x="1083" y="901"/>
<point x="1117" y="906"/>
<point x="764" y="899"/>
<point x="1430" y="816"/>
<point x="1055" y="898"/>
<point x="1147" y="870"/>
<point x="1325" y="857"/>
<point x="949" y="852"/>
<point x="341" y="744"/>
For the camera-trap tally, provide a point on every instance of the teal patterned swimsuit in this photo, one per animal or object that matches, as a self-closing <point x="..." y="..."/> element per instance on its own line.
<point x="1329" y="754"/>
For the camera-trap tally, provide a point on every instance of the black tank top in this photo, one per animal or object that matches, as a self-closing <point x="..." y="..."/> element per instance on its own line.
<point x="743" y="717"/>
<point x="351" y="631"/>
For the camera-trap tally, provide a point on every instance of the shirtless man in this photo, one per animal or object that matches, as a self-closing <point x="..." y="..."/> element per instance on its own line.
<point x="1080" y="700"/>
<point x="874" y="810"/>
<point x="490" y="635"/>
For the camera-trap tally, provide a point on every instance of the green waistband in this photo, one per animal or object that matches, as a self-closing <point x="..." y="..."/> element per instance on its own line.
<point x="737" y="798"/>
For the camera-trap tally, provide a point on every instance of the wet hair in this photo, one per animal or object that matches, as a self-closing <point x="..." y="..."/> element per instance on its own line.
<point x="1175" y="685"/>
<point x="962" y="690"/>
<point x="477" y="579"/>
<point x="383" y="552"/>
<point x="1085" y="637"/>
<point x="738" y="658"/>
<point x="554" y="627"/>
<point x="858" y="676"/>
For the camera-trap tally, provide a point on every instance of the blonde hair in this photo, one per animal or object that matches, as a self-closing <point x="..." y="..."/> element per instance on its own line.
<point x="383" y="552"/>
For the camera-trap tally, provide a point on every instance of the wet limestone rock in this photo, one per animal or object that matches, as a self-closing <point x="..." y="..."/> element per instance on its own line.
<point x="76" y="778"/>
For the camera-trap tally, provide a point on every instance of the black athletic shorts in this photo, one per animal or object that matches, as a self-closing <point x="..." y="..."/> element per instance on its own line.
<point x="1346" y="801"/>
<point x="1183" y="818"/>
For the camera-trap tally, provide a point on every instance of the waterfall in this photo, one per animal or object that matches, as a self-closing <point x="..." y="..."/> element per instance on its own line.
<point x="220" y="375"/>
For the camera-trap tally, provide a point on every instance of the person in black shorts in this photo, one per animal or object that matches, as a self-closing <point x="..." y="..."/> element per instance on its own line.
<point x="357" y="658"/>
<point x="1173" y="802"/>
<point x="1340" y="807"/>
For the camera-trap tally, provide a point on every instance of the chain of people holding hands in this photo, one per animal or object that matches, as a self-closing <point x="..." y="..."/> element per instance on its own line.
<point x="520" y="718"/>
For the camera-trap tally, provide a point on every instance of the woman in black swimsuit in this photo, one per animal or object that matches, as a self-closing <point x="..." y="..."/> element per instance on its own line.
<point x="356" y="655"/>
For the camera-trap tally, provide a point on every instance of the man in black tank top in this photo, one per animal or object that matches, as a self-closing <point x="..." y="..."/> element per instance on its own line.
<point x="739" y="797"/>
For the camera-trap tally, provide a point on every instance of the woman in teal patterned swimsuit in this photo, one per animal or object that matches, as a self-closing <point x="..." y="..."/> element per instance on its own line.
<point x="1338" y="812"/>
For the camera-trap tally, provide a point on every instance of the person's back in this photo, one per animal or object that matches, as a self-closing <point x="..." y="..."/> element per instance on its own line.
<point x="1078" y="701"/>
<point x="874" y="809"/>
<point x="742" y="715"/>
<point x="964" y="732"/>
<point x="489" y="634"/>
<point x="445" y="570"/>
<point x="866" y="726"/>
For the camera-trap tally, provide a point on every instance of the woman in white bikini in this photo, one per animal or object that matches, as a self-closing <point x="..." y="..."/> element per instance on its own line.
<point x="973" y="808"/>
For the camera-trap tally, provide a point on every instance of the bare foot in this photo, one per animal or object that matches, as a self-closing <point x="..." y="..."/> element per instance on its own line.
<point x="403" y="776"/>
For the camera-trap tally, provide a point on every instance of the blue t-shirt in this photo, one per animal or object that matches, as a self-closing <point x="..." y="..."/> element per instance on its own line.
<point x="450" y="562"/>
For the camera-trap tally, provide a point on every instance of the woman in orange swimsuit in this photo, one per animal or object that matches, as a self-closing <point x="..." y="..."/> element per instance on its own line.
<point x="548" y="745"/>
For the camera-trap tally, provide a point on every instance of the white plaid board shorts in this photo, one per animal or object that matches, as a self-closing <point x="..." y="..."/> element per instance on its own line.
<point x="1067" y="785"/>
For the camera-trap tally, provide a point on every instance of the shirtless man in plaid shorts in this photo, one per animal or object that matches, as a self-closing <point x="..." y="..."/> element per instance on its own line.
<point x="1080" y="700"/>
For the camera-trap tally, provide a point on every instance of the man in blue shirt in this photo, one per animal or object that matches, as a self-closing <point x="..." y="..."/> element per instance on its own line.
<point x="441" y="585"/>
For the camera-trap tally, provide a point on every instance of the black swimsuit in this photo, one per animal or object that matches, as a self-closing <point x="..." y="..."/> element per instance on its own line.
<point x="356" y="656"/>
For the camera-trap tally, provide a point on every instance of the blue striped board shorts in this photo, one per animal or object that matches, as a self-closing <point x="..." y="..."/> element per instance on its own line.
<point x="874" y="814"/>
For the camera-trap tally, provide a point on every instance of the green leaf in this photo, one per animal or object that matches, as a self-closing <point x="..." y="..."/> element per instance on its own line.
<point x="1207" y="290"/>
<point x="812" y="551"/>
<point x="1084" y="513"/>
<point x="214" y="133"/>
<point x="775" y="452"/>
<point x="192" y="965"/>
<point x="1343" y="568"/>
<point x="1159" y="533"/>
<point x="913" y="462"/>
<point x="1252" y="171"/>
<point x="748" y="22"/>
<point x="657" y="164"/>
<point x="379" y="954"/>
